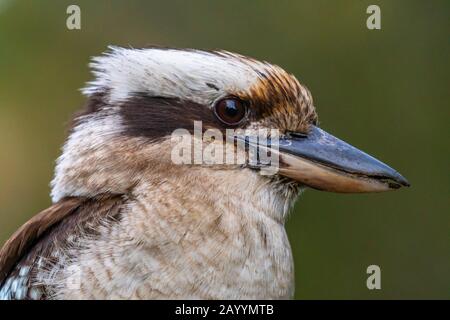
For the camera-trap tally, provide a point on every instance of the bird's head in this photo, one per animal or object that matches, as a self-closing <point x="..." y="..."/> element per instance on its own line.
<point x="140" y="97"/>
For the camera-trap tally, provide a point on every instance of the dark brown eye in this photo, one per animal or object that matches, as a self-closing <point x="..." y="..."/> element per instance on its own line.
<point x="230" y="111"/>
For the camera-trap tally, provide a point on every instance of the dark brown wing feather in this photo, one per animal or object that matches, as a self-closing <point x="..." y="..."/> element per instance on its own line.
<point x="27" y="235"/>
<point x="49" y="229"/>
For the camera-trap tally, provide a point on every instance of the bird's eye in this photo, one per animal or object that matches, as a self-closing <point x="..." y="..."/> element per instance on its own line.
<point x="230" y="111"/>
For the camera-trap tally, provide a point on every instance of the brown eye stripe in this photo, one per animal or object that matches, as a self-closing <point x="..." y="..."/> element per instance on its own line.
<point x="158" y="117"/>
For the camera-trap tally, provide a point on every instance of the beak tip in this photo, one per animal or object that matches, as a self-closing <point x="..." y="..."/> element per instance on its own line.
<point x="399" y="181"/>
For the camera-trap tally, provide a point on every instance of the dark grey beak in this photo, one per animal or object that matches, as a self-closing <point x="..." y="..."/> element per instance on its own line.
<point x="324" y="162"/>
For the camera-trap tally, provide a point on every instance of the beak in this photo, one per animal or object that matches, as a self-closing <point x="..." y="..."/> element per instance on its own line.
<point x="324" y="162"/>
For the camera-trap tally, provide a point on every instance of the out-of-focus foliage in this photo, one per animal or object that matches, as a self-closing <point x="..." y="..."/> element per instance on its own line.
<point x="385" y="91"/>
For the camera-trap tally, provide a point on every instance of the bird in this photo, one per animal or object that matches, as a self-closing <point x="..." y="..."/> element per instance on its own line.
<point x="126" y="222"/>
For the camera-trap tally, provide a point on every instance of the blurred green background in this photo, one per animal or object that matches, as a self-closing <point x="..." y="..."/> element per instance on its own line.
<point x="385" y="91"/>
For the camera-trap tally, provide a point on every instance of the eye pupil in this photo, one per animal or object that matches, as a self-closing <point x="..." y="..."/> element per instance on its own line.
<point x="230" y="111"/>
<point x="231" y="108"/>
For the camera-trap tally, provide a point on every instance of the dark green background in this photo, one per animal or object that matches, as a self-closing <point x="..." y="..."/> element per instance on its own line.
<point x="385" y="91"/>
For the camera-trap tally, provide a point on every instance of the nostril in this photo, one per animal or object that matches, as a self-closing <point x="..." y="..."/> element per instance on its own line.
<point x="297" y="135"/>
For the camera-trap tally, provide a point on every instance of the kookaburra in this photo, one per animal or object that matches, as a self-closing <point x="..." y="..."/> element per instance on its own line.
<point x="129" y="223"/>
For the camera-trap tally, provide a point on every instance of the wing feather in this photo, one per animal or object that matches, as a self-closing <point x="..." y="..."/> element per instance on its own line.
<point x="24" y="238"/>
<point x="44" y="234"/>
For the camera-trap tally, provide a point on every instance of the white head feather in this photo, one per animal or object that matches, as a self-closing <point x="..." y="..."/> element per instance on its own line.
<point x="194" y="75"/>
